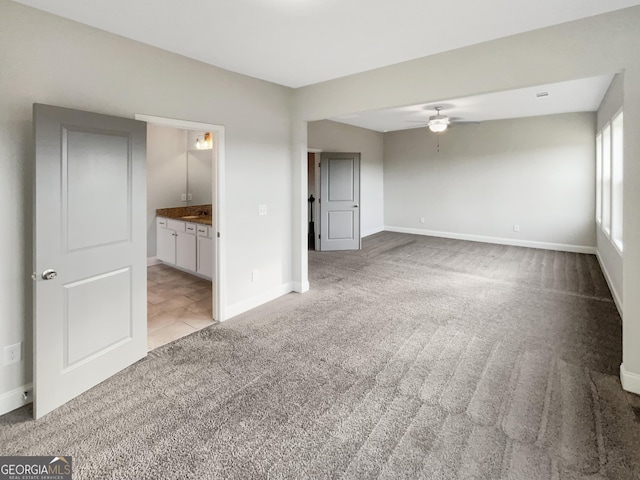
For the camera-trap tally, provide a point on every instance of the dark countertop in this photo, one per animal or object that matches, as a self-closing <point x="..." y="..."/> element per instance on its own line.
<point x="193" y="213"/>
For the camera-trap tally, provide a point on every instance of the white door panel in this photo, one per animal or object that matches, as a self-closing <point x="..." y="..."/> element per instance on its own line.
<point x="166" y="245"/>
<point x="340" y="201"/>
<point x="340" y="173"/>
<point x="90" y="320"/>
<point x="340" y="225"/>
<point x="95" y="188"/>
<point x="110" y="323"/>
<point x="186" y="251"/>
<point x="205" y="256"/>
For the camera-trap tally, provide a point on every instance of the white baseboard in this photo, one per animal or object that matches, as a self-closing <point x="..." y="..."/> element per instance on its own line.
<point x="630" y="381"/>
<point x="253" y="302"/>
<point x="372" y="231"/>
<point x="614" y="293"/>
<point x="16" y="398"/>
<point x="151" y="261"/>
<point x="497" y="240"/>
<point x="300" y="287"/>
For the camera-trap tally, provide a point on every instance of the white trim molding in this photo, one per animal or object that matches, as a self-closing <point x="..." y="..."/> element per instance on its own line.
<point x="372" y="231"/>
<point x="614" y="293"/>
<point x="16" y="398"/>
<point x="300" y="287"/>
<point x="261" y="299"/>
<point x="177" y="123"/>
<point x="630" y="381"/>
<point x="151" y="261"/>
<point x="562" y="247"/>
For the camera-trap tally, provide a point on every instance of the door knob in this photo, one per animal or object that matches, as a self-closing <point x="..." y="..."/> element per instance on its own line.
<point x="49" y="274"/>
<point x="355" y="206"/>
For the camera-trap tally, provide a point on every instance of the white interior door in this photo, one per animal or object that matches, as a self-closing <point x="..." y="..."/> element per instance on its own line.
<point x="89" y="251"/>
<point x="339" y="201"/>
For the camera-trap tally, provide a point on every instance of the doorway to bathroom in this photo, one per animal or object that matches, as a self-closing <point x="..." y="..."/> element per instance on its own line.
<point x="185" y="171"/>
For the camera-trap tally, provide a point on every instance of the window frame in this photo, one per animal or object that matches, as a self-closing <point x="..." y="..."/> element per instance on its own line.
<point x="599" y="178"/>
<point x="606" y="179"/>
<point x="617" y="179"/>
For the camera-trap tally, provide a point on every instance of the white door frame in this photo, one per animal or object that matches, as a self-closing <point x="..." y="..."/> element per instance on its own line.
<point x="220" y="292"/>
<point x="316" y="205"/>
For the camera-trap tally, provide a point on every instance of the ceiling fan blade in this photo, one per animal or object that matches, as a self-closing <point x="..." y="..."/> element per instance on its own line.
<point x="464" y="123"/>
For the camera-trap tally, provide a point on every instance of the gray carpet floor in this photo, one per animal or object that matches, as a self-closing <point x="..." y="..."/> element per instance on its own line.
<point x="416" y="357"/>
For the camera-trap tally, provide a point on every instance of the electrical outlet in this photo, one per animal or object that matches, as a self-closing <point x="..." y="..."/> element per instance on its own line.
<point x="183" y="197"/>
<point x="262" y="210"/>
<point x="421" y="219"/>
<point x="13" y="354"/>
<point x="189" y="196"/>
<point x="516" y="228"/>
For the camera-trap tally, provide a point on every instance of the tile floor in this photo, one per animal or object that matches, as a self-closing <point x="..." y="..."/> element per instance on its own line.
<point x="177" y="304"/>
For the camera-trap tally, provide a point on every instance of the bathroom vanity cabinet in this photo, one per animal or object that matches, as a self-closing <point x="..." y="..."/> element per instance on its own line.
<point x="188" y="246"/>
<point x="204" y="251"/>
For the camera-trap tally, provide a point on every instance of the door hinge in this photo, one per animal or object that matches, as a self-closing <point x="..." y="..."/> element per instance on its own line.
<point x="218" y="234"/>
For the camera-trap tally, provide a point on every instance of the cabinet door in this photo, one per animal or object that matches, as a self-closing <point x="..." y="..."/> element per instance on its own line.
<point x="205" y="256"/>
<point x="166" y="245"/>
<point x="186" y="251"/>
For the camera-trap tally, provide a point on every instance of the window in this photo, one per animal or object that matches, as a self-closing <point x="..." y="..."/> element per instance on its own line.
<point x="609" y="179"/>
<point x="606" y="179"/>
<point x="616" y="179"/>
<point x="599" y="178"/>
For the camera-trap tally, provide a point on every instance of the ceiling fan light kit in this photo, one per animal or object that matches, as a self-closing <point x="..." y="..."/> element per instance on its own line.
<point x="438" y="123"/>
<point x="438" y="126"/>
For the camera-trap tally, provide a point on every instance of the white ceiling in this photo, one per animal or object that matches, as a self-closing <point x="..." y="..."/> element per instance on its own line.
<point x="302" y="42"/>
<point x="584" y="95"/>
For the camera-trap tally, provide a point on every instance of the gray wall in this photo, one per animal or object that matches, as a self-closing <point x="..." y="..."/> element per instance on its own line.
<point x="609" y="256"/>
<point x="47" y="59"/>
<point x="535" y="172"/>
<point x="337" y="137"/>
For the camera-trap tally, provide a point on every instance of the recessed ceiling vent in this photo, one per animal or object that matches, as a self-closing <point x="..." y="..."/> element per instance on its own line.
<point x="542" y="94"/>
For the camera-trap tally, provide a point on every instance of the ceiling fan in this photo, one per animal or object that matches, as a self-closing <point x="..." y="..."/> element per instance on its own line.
<point x="439" y="122"/>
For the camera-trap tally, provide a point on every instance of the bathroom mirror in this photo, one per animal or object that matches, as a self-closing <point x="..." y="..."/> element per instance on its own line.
<point x="199" y="171"/>
<point x="199" y="176"/>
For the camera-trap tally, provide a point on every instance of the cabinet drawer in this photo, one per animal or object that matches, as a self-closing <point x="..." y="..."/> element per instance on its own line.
<point x="176" y="225"/>
<point x="190" y="228"/>
<point x="162" y="222"/>
<point x="203" y="231"/>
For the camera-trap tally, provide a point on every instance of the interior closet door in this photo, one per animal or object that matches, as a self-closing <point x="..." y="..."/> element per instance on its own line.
<point x="339" y="201"/>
